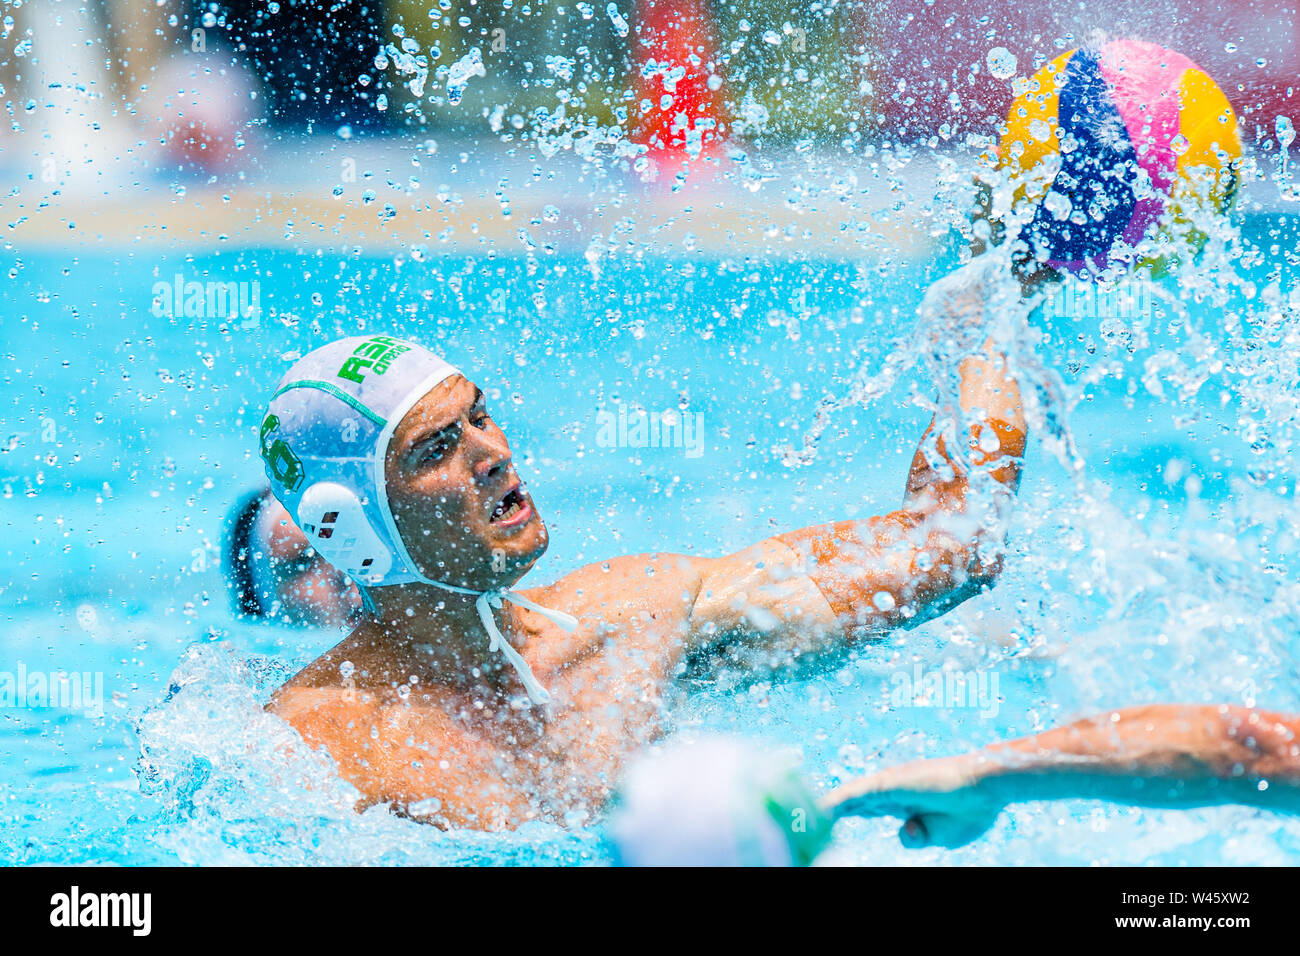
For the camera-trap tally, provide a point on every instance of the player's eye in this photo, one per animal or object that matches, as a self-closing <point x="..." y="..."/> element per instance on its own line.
<point x="437" y="448"/>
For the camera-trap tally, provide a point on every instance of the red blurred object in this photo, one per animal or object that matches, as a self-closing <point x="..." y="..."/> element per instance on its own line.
<point x="206" y="144"/>
<point x="920" y="54"/>
<point x="675" y="46"/>
<point x="202" y="111"/>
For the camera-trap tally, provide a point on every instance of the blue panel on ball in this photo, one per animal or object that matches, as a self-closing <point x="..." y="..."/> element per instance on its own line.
<point x="1095" y="176"/>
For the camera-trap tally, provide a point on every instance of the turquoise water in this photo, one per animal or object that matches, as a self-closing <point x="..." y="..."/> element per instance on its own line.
<point x="1164" y="569"/>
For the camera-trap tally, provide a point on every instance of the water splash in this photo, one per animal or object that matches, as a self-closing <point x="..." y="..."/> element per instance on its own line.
<point x="237" y="785"/>
<point x="978" y="303"/>
<point x="1288" y="189"/>
<point x="461" y="72"/>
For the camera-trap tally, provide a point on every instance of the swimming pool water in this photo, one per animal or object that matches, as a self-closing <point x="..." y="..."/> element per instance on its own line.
<point x="1165" y="571"/>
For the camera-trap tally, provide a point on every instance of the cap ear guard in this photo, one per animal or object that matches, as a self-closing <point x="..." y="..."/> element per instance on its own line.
<point x="334" y="520"/>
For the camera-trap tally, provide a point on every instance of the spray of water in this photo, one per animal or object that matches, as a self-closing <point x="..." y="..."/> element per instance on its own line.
<point x="1109" y="598"/>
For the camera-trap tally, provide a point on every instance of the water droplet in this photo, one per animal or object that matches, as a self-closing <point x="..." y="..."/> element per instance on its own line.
<point x="458" y="77"/>
<point x="616" y="18"/>
<point x="1001" y="63"/>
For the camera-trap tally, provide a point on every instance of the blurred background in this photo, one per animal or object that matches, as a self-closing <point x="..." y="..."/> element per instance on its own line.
<point x="99" y="94"/>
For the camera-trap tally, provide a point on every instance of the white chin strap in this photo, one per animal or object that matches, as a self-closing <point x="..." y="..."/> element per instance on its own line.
<point x="484" y="603"/>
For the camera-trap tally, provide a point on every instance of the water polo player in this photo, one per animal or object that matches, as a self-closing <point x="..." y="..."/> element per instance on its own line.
<point x="274" y="574"/>
<point x="1171" y="756"/>
<point x="463" y="702"/>
<point x="750" y="808"/>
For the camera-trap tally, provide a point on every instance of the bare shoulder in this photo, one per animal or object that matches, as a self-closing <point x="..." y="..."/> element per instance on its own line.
<point x="715" y="592"/>
<point x="325" y="705"/>
<point x="321" y="674"/>
<point x="355" y="661"/>
<point x="643" y="601"/>
<point x="650" y="581"/>
<point x="767" y="581"/>
<point x="323" y="715"/>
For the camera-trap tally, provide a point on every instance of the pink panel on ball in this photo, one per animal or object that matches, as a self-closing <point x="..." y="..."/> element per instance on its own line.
<point x="1144" y="78"/>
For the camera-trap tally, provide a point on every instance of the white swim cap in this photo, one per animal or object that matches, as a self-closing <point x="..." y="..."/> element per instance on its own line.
<point x="715" y="802"/>
<point x="324" y="441"/>
<point x="326" y="435"/>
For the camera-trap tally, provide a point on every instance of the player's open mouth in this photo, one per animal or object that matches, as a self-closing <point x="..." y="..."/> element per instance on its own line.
<point x="513" y="509"/>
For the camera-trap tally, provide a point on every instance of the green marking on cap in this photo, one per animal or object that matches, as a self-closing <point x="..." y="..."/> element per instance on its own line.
<point x="281" y="463"/>
<point x="338" y="393"/>
<point x="806" y="826"/>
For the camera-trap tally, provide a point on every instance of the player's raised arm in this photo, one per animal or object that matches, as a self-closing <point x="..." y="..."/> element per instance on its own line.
<point x="805" y="591"/>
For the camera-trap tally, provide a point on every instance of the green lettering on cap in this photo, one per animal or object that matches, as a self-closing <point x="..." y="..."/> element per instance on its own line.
<point x="374" y="354"/>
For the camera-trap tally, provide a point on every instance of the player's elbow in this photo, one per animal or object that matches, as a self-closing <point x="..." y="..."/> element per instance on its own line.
<point x="984" y="570"/>
<point x="949" y="572"/>
<point x="967" y="538"/>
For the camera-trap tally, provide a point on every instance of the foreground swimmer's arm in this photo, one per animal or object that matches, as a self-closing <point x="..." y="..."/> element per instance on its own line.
<point x="804" y="592"/>
<point x="1158" y="756"/>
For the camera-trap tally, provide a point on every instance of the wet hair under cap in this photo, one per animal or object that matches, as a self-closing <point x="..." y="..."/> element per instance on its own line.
<point x="236" y="559"/>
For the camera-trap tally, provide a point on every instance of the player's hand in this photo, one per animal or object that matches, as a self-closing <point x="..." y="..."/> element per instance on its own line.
<point x="941" y="801"/>
<point x="1034" y="276"/>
